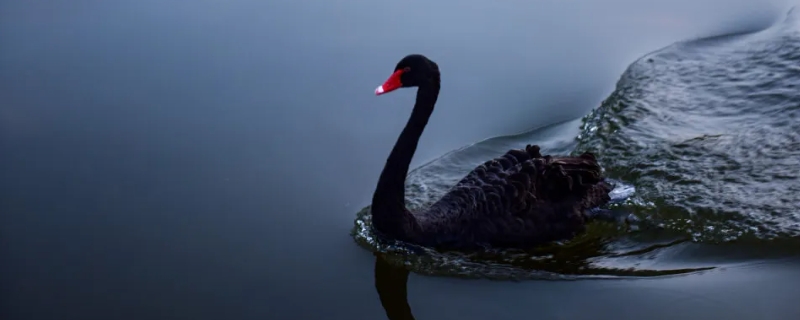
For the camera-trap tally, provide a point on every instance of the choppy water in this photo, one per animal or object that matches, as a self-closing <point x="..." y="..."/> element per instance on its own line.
<point x="703" y="138"/>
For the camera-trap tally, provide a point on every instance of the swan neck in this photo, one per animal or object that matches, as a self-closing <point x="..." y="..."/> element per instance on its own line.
<point x="388" y="202"/>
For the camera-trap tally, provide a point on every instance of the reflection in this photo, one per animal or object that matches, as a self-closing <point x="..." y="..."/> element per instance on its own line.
<point x="391" y="275"/>
<point x="391" y="282"/>
<point x="591" y="257"/>
<point x="600" y="253"/>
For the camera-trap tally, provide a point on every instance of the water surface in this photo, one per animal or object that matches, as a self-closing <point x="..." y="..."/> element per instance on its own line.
<point x="699" y="138"/>
<point x="206" y="159"/>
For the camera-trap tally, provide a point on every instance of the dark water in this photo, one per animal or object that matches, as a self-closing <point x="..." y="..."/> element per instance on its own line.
<point x="205" y="160"/>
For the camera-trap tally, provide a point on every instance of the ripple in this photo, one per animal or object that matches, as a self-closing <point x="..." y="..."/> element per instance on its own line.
<point x="701" y="138"/>
<point x="598" y="254"/>
<point x="706" y="128"/>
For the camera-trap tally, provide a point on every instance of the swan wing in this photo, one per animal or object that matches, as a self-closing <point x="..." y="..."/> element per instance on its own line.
<point x="522" y="197"/>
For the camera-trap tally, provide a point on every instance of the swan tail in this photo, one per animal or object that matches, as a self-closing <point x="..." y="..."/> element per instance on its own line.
<point x="597" y="195"/>
<point x="579" y="176"/>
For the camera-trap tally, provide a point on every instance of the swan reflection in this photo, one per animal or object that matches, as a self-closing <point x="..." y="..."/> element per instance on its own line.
<point x="392" y="283"/>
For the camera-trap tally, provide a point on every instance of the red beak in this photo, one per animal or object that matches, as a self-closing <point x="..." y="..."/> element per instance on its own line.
<point x="391" y="84"/>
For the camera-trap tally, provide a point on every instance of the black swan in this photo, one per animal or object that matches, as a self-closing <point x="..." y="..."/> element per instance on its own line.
<point x="521" y="199"/>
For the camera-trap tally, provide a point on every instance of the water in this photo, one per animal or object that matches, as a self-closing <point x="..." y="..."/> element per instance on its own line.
<point x="699" y="138"/>
<point x="707" y="129"/>
<point x="207" y="160"/>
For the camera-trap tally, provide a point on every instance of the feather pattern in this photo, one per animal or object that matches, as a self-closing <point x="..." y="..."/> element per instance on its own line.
<point x="516" y="200"/>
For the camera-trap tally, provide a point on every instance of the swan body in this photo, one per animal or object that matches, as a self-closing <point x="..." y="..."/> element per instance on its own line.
<point x="518" y="200"/>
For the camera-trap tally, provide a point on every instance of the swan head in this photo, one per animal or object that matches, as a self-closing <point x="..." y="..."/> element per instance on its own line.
<point x="413" y="70"/>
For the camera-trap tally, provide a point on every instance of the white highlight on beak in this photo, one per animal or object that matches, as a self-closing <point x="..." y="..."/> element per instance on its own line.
<point x="379" y="90"/>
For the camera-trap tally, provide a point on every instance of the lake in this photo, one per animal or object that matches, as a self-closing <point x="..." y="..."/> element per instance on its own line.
<point x="208" y="159"/>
